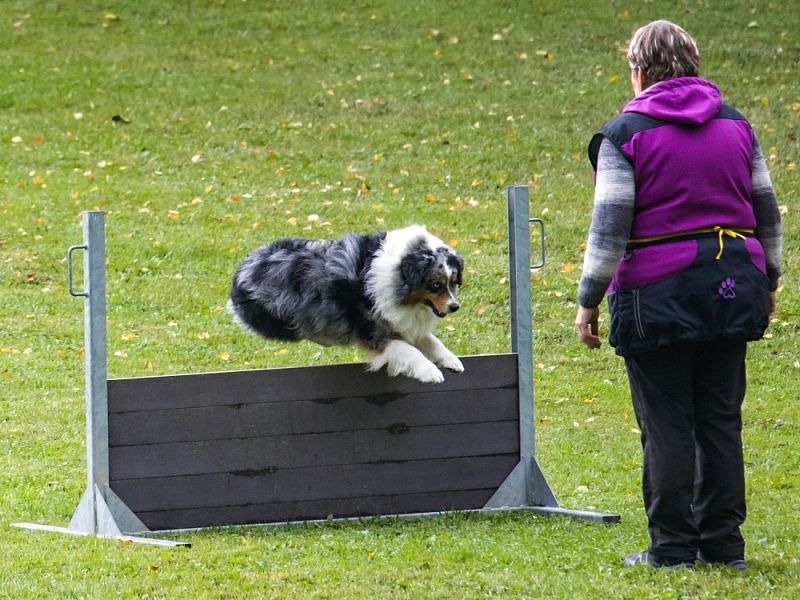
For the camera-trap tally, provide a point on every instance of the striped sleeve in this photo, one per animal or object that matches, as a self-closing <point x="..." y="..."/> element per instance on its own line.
<point x="769" y="230"/>
<point x="612" y="217"/>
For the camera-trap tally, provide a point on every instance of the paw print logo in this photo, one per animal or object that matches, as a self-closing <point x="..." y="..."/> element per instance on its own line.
<point x="727" y="288"/>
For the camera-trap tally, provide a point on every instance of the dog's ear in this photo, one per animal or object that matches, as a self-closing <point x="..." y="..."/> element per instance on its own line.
<point x="414" y="267"/>
<point x="455" y="261"/>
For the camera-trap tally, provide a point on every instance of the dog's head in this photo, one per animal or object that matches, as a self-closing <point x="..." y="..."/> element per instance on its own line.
<point x="431" y="275"/>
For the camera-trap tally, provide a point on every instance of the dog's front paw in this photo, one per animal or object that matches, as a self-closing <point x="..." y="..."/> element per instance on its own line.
<point x="452" y="363"/>
<point x="426" y="373"/>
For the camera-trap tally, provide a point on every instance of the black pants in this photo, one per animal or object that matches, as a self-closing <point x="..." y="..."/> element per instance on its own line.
<point x="688" y="400"/>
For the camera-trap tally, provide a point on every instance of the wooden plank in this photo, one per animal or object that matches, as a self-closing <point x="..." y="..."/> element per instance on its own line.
<point x="272" y="453"/>
<point x="317" y="509"/>
<point x="301" y="383"/>
<point x="309" y="416"/>
<point x="315" y="483"/>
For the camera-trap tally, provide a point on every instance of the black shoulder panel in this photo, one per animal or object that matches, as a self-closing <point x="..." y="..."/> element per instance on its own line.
<point x="728" y="112"/>
<point x="619" y="130"/>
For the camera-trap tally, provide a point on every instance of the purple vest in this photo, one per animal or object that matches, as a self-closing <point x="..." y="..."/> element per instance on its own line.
<point x="691" y="157"/>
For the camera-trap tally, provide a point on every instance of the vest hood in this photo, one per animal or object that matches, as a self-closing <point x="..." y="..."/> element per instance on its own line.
<point x="684" y="101"/>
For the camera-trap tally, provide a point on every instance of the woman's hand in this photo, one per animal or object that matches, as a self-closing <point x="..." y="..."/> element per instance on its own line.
<point x="586" y="326"/>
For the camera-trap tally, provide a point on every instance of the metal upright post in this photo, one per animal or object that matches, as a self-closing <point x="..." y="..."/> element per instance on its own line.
<point x="100" y="511"/>
<point x="526" y="486"/>
<point x="537" y="489"/>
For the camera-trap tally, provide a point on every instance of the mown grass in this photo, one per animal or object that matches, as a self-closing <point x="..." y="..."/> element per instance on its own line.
<point x="237" y="122"/>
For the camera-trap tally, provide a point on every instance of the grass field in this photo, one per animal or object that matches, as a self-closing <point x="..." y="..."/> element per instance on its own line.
<point x="205" y="127"/>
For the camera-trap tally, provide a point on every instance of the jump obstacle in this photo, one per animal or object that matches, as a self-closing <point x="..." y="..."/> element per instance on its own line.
<point x="274" y="446"/>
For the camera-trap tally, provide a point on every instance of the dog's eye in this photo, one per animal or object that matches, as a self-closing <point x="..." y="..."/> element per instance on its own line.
<point x="436" y="287"/>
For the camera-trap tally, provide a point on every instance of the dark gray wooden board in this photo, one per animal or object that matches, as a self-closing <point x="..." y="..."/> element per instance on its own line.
<point x="305" y="443"/>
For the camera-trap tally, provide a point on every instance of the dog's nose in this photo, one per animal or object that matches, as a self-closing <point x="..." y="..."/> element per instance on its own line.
<point x="453" y="306"/>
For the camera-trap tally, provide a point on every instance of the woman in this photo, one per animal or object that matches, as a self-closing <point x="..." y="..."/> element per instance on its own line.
<point x="686" y="240"/>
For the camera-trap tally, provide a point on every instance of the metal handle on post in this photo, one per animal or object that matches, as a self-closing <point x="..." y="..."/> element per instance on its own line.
<point x="72" y="292"/>
<point x="540" y="264"/>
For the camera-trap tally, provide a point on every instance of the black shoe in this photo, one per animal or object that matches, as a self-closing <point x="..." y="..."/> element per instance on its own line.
<point x="647" y="558"/>
<point x="737" y="563"/>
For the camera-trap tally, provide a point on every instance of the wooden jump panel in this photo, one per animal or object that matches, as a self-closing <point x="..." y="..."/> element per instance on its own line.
<point x="305" y="443"/>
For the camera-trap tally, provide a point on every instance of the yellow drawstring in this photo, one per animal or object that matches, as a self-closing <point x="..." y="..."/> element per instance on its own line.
<point x="729" y="232"/>
<point x="721" y="231"/>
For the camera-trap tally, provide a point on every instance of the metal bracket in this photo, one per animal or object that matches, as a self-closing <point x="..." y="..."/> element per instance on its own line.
<point x="539" y="222"/>
<point x="72" y="291"/>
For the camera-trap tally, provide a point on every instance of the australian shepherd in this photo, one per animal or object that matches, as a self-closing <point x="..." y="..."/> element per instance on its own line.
<point x="385" y="291"/>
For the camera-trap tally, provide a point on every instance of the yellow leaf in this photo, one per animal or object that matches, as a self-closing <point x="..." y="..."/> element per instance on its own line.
<point x="281" y="352"/>
<point x="38" y="180"/>
<point x="765" y="100"/>
<point x="291" y="221"/>
<point x="614" y="79"/>
<point x="174" y="215"/>
<point x="452" y="243"/>
<point x="567" y="268"/>
<point x="203" y="336"/>
<point x="110" y="17"/>
<point x="152" y="568"/>
<point x="476" y="182"/>
<point x="224" y="356"/>
<point x="149" y="366"/>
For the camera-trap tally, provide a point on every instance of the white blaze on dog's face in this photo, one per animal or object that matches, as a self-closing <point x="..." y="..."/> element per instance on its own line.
<point x="431" y="275"/>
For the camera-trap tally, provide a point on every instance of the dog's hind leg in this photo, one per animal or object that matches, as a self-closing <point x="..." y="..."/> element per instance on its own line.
<point x="437" y="352"/>
<point x="401" y="358"/>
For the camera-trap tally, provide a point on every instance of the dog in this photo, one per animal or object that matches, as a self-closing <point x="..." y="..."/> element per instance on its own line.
<point x="385" y="291"/>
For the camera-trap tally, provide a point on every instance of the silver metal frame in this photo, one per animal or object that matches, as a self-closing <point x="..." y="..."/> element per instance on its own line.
<point x="101" y="513"/>
<point x="526" y="488"/>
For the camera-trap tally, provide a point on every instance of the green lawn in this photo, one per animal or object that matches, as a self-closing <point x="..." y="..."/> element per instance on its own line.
<point x="206" y="127"/>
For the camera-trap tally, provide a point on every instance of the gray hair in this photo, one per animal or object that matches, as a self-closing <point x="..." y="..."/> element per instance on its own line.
<point x="662" y="50"/>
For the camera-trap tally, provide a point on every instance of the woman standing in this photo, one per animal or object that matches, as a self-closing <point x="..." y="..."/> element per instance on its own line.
<point x="686" y="241"/>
